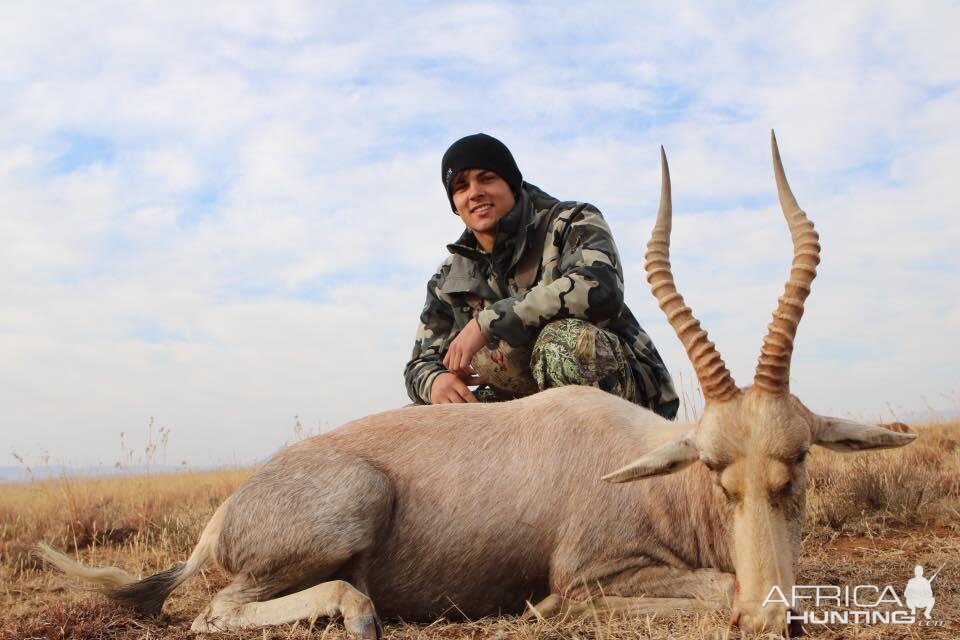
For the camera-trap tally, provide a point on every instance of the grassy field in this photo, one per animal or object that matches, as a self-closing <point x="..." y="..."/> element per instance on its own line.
<point x="870" y="519"/>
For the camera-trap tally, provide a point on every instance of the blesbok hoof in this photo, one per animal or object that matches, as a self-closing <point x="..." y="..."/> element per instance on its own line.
<point x="364" y="626"/>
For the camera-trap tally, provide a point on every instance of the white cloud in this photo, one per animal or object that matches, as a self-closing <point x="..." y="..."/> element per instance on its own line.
<point x="175" y="170"/>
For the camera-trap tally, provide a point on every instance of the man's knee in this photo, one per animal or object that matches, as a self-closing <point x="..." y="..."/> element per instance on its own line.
<point x="573" y="351"/>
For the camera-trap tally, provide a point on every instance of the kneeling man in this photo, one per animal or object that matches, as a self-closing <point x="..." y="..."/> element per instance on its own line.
<point x="531" y="296"/>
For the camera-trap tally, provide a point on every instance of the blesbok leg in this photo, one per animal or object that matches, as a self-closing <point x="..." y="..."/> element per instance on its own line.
<point x="235" y="608"/>
<point x="647" y="590"/>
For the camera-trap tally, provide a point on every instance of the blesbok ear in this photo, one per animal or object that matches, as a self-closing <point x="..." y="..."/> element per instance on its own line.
<point x="846" y="435"/>
<point x="667" y="458"/>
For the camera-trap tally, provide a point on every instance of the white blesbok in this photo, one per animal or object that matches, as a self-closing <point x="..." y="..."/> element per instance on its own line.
<point x="478" y="509"/>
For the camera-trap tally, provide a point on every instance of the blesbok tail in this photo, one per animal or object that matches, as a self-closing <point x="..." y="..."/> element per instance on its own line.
<point x="145" y="596"/>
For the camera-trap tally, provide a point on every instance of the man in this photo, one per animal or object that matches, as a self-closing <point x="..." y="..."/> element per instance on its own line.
<point x="919" y="593"/>
<point x="531" y="296"/>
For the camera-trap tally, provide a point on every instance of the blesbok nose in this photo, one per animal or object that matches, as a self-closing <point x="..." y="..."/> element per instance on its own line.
<point x="758" y="619"/>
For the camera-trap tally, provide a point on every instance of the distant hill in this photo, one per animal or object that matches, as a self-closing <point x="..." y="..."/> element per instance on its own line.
<point x="21" y="474"/>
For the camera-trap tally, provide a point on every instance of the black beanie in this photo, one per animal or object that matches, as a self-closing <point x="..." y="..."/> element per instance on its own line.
<point x="479" y="151"/>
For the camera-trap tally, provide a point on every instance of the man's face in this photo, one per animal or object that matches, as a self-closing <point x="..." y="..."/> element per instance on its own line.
<point x="481" y="198"/>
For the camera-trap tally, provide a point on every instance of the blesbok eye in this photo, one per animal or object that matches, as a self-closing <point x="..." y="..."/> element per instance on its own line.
<point x="732" y="496"/>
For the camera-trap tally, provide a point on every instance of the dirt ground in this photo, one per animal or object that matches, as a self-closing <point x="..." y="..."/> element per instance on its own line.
<point x="870" y="519"/>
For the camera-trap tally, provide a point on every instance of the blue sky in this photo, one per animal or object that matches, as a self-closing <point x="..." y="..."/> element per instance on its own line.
<point x="224" y="216"/>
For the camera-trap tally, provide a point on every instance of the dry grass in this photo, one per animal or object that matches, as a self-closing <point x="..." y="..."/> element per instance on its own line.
<point x="917" y="486"/>
<point x="161" y="515"/>
<point x="870" y="518"/>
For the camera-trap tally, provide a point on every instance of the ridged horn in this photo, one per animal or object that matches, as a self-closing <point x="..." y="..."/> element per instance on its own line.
<point x="773" y="368"/>
<point x="715" y="380"/>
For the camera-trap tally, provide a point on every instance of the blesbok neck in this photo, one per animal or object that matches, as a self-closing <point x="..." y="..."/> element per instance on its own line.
<point x="699" y="519"/>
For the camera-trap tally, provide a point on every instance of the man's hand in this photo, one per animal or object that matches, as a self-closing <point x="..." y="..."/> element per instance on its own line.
<point x="461" y="351"/>
<point x="450" y="388"/>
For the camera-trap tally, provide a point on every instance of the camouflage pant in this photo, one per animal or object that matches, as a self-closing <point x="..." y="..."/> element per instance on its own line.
<point x="566" y="352"/>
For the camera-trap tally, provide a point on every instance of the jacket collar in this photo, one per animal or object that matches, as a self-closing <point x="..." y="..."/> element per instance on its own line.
<point x="513" y="231"/>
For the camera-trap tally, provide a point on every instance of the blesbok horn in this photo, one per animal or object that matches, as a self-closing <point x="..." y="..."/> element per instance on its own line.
<point x="715" y="379"/>
<point x="773" y="368"/>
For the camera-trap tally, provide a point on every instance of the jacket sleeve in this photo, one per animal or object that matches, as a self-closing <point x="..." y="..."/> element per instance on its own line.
<point x="588" y="282"/>
<point x="433" y="334"/>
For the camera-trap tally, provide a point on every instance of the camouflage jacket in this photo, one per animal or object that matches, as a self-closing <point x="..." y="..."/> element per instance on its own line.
<point x="579" y="276"/>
